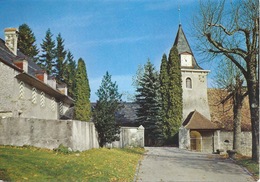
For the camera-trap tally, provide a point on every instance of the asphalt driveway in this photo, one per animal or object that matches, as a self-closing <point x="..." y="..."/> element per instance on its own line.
<point x="173" y="164"/>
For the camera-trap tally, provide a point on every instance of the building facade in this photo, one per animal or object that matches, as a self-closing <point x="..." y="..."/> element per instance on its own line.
<point x="25" y="89"/>
<point x="197" y="131"/>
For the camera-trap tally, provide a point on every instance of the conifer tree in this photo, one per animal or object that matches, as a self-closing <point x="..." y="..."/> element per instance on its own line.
<point x="60" y="64"/>
<point x="27" y="42"/>
<point x="174" y="116"/>
<point x="69" y="74"/>
<point x="108" y="103"/>
<point x="48" y="53"/>
<point x="82" y="93"/>
<point x="149" y="113"/>
<point x="164" y="90"/>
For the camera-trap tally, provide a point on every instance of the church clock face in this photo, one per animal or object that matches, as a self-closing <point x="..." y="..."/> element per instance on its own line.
<point x="186" y="60"/>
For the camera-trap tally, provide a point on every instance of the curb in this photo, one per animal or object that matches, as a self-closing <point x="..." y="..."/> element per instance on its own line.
<point x="137" y="170"/>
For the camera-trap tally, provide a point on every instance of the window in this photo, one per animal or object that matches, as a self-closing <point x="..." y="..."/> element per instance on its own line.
<point x="188" y="83"/>
<point x="42" y="100"/>
<point x="21" y="90"/>
<point x="34" y="95"/>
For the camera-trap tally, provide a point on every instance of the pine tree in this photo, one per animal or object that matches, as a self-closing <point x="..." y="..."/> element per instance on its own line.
<point x="26" y="41"/>
<point x="109" y="102"/>
<point x="82" y="93"/>
<point x="149" y="113"/>
<point x="174" y="116"/>
<point x="48" y="53"/>
<point x="59" y="68"/>
<point x="164" y="90"/>
<point x="69" y="74"/>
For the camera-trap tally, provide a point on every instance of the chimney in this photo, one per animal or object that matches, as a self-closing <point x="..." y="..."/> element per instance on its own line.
<point x="11" y="39"/>
<point x="62" y="88"/>
<point x="52" y="82"/>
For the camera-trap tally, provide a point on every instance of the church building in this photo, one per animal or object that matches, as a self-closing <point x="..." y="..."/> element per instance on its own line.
<point x="197" y="131"/>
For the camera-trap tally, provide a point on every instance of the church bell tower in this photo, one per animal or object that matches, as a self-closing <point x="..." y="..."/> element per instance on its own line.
<point x="194" y="79"/>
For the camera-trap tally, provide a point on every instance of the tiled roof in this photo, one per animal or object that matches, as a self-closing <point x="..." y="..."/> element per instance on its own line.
<point x="222" y="114"/>
<point x="126" y="116"/>
<point x="184" y="47"/>
<point x="8" y="56"/>
<point x="195" y="120"/>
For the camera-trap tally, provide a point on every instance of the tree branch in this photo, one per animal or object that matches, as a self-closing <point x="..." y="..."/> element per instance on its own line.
<point x="236" y="63"/>
<point x="220" y="47"/>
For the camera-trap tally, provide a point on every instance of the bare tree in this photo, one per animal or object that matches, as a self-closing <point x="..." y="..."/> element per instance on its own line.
<point x="230" y="29"/>
<point x="232" y="81"/>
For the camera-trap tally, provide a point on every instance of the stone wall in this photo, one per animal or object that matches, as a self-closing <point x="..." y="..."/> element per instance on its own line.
<point x="226" y="142"/>
<point x="49" y="134"/>
<point x="130" y="137"/>
<point x="212" y="141"/>
<point x="19" y="99"/>
<point x="184" y="138"/>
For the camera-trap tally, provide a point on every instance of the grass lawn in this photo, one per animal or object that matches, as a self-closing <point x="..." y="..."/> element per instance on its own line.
<point x="251" y="166"/>
<point x="34" y="164"/>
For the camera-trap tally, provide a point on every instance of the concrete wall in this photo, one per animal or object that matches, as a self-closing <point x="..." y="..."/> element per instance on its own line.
<point x="130" y="137"/>
<point x="211" y="141"/>
<point x="17" y="104"/>
<point x="49" y="134"/>
<point x="7" y="88"/>
<point x="184" y="138"/>
<point x="195" y="97"/>
<point x="226" y="142"/>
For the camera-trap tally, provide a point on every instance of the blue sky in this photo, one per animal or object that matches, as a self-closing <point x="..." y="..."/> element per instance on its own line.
<point x="110" y="35"/>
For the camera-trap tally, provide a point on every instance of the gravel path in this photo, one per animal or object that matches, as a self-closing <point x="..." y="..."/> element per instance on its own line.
<point x="173" y="164"/>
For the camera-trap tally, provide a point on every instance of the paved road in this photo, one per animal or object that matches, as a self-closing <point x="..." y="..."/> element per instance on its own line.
<point x="173" y="164"/>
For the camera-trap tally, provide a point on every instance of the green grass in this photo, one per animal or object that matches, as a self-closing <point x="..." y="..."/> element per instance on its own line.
<point x="251" y="166"/>
<point x="34" y="164"/>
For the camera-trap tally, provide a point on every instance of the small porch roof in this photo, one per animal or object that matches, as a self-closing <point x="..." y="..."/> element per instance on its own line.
<point x="196" y="121"/>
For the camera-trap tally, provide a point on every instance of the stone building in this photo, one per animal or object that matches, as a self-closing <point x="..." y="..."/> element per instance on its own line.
<point x="25" y="89"/>
<point x="197" y="131"/>
<point x="205" y="127"/>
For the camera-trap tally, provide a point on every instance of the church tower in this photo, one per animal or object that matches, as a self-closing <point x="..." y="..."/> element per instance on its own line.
<point x="194" y="79"/>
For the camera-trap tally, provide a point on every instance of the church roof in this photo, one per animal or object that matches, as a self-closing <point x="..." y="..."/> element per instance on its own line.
<point x="183" y="46"/>
<point x="222" y="113"/>
<point x="181" y="42"/>
<point x="197" y="121"/>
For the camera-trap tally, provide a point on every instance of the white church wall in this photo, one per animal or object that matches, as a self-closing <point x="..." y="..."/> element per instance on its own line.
<point x="195" y="98"/>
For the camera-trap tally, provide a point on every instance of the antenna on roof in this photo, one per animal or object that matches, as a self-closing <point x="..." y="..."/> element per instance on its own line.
<point x="179" y="11"/>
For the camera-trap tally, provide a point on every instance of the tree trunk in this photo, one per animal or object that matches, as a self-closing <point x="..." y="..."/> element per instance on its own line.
<point x="253" y="93"/>
<point x="237" y="112"/>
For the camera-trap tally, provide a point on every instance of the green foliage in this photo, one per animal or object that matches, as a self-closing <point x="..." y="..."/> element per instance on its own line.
<point x="48" y="53"/>
<point x="34" y="164"/>
<point x="174" y="112"/>
<point x="149" y="113"/>
<point x="63" y="149"/>
<point x="69" y="74"/>
<point x="249" y="164"/>
<point x="164" y="90"/>
<point x="60" y="64"/>
<point x="27" y="42"/>
<point x="82" y="93"/>
<point x="104" y="112"/>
